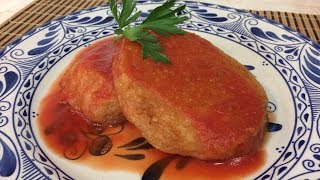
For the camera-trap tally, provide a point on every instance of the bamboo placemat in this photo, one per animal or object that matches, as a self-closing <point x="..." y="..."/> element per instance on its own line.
<point x="41" y="11"/>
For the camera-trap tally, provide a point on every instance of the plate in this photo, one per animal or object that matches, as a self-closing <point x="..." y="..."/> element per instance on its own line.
<point x="285" y="62"/>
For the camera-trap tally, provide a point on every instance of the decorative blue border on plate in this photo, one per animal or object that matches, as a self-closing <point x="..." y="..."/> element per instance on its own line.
<point x="292" y="54"/>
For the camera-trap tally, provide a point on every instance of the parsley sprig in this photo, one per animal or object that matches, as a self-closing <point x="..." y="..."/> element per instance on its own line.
<point x="162" y="20"/>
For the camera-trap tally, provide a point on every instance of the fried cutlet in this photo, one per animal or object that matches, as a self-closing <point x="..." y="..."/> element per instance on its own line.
<point x="87" y="84"/>
<point x="204" y="104"/>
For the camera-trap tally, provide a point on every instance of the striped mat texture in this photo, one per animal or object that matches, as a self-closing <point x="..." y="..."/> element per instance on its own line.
<point x="41" y="11"/>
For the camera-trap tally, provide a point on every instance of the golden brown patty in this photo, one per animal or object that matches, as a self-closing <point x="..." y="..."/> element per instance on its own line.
<point x="88" y="87"/>
<point x="205" y="104"/>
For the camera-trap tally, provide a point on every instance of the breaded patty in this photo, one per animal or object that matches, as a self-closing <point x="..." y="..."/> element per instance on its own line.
<point x="205" y="104"/>
<point x="87" y="84"/>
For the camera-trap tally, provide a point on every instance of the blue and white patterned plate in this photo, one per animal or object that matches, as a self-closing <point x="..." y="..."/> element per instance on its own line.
<point x="285" y="62"/>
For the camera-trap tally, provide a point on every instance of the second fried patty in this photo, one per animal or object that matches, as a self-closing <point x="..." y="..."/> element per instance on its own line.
<point x="87" y="84"/>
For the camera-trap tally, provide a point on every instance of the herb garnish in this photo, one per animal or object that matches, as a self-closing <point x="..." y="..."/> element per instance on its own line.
<point x="162" y="20"/>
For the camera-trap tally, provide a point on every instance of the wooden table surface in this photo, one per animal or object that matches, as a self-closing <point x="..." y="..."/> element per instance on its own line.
<point x="10" y="7"/>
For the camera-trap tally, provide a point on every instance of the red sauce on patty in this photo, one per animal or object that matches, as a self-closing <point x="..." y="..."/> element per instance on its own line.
<point x="225" y="103"/>
<point x="69" y="135"/>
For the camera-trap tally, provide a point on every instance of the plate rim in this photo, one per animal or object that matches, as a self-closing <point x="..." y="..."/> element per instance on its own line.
<point x="30" y="33"/>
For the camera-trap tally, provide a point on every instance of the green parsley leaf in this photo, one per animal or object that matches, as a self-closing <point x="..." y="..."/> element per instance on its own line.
<point x="166" y="27"/>
<point x="162" y="20"/>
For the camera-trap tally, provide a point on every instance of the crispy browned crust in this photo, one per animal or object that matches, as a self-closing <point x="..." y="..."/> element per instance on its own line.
<point x="160" y="123"/>
<point x="168" y="128"/>
<point x="84" y="89"/>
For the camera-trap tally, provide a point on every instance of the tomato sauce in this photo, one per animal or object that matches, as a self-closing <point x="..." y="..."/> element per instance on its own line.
<point x="224" y="102"/>
<point x="70" y="135"/>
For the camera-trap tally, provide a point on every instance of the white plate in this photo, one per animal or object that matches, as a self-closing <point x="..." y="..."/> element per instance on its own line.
<point x="285" y="62"/>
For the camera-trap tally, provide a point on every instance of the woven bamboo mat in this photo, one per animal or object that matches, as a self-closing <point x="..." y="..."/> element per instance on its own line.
<point x="41" y="11"/>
